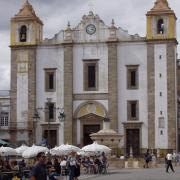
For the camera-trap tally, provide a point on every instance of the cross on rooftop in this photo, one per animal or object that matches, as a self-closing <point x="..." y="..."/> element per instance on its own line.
<point x="91" y="5"/>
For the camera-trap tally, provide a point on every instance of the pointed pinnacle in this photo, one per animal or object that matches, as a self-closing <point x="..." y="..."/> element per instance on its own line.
<point x="112" y="22"/>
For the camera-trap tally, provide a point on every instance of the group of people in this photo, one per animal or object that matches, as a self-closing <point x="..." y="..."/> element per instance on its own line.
<point x="168" y="160"/>
<point x="66" y="166"/>
<point x="45" y="167"/>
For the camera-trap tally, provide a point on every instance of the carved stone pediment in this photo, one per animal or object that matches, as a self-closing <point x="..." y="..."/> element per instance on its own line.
<point x="27" y="12"/>
<point x="161" y="6"/>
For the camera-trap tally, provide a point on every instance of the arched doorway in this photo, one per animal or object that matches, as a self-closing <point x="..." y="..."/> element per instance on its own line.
<point x="89" y="118"/>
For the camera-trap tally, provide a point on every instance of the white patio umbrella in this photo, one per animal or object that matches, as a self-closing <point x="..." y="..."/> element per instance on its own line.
<point x="7" y="151"/>
<point x="64" y="149"/>
<point x="21" y="149"/>
<point x="96" y="148"/>
<point x="33" y="151"/>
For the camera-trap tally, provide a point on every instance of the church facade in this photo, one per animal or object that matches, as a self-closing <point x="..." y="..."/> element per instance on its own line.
<point x="92" y="72"/>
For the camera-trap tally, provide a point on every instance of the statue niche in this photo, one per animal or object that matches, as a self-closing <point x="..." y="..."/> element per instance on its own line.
<point x="23" y="34"/>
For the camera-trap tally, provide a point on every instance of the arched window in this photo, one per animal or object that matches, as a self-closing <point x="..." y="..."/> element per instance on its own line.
<point x="23" y="33"/>
<point x="160" y="26"/>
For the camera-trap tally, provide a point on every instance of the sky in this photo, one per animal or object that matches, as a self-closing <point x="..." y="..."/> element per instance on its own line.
<point x="55" y="14"/>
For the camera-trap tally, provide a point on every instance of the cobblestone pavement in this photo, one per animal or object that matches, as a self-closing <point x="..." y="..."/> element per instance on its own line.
<point x="137" y="174"/>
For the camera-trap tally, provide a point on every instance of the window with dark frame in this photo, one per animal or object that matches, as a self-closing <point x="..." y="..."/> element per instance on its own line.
<point x="133" y="110"/>
<point x="50" y="80"/>
<point x="90" y="75"/>
<point x="50" y="112"/>
<point x="132" y="77"/>
<point x="4" y="119"/>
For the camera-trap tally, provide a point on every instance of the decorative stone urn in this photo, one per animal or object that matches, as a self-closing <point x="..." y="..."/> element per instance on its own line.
<point x="107" y="136"/>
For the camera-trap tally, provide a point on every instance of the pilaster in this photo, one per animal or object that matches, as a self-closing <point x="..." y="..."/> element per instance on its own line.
<point x="68" y="93"/>
<point x="112" y="85"/>
<point x="13" y="96"/>
<point x="151" y="95"/>
<point x="171" y="94"/>
<point x="31" y="90"/>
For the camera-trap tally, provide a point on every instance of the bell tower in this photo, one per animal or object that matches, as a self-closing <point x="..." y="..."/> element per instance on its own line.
<point x="26" y="35"/>
<point x="26" y="27"/>
<point x="161" y="73"/>
<point x="161" y="22"/>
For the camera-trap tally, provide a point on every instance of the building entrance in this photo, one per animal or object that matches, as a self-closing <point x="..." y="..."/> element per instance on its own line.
<point x="51" y="137"/>
<point x="133" y="142"/>
<point x="87" y="130"/>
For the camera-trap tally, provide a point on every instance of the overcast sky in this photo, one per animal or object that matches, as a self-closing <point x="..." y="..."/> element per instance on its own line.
<point x="128" y="14"/>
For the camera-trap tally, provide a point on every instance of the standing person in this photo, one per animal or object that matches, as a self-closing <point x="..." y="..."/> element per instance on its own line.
<point x="78" y="167"/>
<point x="39" y="170"/>
<point x="72" y="166"/>
<point x="169" y="158"/>
<point x="57" y="167"/>
<point x="147" y="159"/>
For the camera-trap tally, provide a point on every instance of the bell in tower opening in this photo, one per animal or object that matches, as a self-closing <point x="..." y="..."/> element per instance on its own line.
<point x="160" y="26"/>
<point x="23" y="33"/>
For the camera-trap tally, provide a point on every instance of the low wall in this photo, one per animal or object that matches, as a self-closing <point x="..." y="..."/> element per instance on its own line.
<point x="135" y="163"/>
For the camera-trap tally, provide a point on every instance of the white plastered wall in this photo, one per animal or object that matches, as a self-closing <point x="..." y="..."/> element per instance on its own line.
<point x="132" y="54"/>
<point x="161" y="100"/>
<point x="90" y="52"/>
<point x="50" y="57"/>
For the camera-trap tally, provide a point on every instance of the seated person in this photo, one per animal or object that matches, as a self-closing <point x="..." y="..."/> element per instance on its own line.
<point x="57" y="167"/>
<point x="51" y="173"/>
<point x="63" y="165"/>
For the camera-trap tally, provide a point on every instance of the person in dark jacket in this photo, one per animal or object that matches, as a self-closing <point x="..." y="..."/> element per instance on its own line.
<point x="147" y="158"/>
<point x="57" y="166"/>
<point x="39" y="170"/>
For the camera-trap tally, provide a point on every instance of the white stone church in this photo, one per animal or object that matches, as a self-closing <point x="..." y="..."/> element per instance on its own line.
<point x="63" y="88"/>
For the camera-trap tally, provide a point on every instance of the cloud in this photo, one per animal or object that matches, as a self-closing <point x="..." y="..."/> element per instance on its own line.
<point x="129" y="15"/>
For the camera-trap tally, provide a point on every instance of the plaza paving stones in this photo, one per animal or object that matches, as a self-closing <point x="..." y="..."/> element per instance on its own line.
<point x="137" y="174"/>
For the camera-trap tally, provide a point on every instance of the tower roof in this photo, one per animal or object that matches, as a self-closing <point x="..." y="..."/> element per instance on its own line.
<point x="26" y="13"/>
<point x="161" y="7"/>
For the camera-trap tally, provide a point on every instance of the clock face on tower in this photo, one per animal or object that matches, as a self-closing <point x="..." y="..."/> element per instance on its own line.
<point x="90" y="29"/>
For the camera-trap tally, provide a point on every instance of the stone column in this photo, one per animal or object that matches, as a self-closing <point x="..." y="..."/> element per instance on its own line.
<point x="171" y="94"/>
<point x="13" y="95"/>
<point x="112" y="85"/>
<point x="151" y="95"/>
<point x="31" y="91"/>
<point x="31" y="71"/>
<point x="68" y="92"/>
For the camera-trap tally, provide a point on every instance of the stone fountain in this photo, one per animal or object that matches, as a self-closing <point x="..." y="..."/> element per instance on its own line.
<point x="107" y="136"/>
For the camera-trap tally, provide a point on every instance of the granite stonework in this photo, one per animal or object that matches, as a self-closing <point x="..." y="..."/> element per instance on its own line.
<point x="68" y="93"/>
<point x="151" y="95"/>
<point x="112" y="85"/>
<point x="171" y="92"/>
<point x="31" y="51"/>
<point x="31" y="90"/>
<point x="13" y="95"/>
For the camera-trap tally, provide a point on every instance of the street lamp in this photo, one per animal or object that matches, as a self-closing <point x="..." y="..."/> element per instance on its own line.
<point x="61" y="118"/>
<point x="36" y="117"/>
<point x="50" y="108"/>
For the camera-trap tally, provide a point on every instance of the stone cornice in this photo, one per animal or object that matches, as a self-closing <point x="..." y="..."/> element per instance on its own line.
<point x="23" y="46"/>
<point x="91" y="96"/>
<point x="162" y="41"/>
